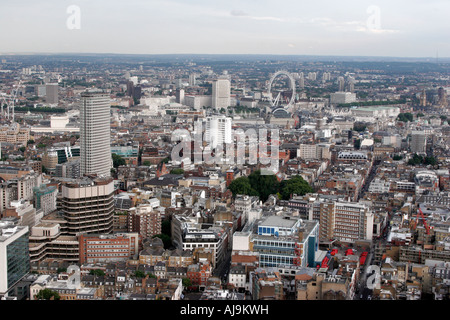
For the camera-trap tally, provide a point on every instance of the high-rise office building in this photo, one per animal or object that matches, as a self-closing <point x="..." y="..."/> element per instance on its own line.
<point x="312" y="76"/>
<point x="179" y="96"/>
<point x="221" y="93"/>
<point x="418" y="142"/>
<point x="351" y="84"/>
<point x="95" y="133"/>
<point x="326" y="76"/>
<point x="51" y="93"/>
<point x="88" y="205"/>
<point x="14" y="254"/>
<point x="301" y="81"/>
<point x="341" y="84"/>
<point x="192" y="79"/>
<point x="218" y="130"/>
<point x="345" y="221"/>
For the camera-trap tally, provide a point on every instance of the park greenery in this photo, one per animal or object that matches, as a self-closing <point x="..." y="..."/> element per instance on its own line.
<point x="263" y="186"/>
<point x="422" y="160"/>
<point x="405" y="117"/>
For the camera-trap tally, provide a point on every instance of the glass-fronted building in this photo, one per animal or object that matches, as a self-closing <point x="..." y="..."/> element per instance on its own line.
<point x="14" y="255"/>
<point x="286" y="240"/>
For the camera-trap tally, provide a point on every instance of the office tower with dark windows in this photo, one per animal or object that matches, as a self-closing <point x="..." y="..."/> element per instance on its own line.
<point x="51" y="93"/>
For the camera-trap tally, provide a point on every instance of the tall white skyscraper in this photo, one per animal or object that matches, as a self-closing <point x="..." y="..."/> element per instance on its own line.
<point x="221" y="93"/>
<point x="218" y="130"/>
<point x="95" y="133"/>
<point x="192" y="79"/>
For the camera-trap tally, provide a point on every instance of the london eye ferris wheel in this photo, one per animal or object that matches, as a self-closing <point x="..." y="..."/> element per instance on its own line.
<point x="284" y="97"/>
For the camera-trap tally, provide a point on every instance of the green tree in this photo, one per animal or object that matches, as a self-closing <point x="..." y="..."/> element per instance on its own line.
<point x="177" y="171"/>
<point x="186" y="282"/>
<point x="405" y="117"/>
<point x="139" y="274"/>
<point x="295" y="185"/>
<point x="147" y="163"/>
<point x="97" y="272"/>
<point x="265" y="185"/>
<point x="118" y="160"/>
<point x="415" y="160"/>
<point x="430" y="160"/>
<point x="47" y="294"/>
<point x="242" y="185"/>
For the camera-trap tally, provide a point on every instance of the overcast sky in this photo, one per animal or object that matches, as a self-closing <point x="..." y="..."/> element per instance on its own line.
<point x="400" y="28"/>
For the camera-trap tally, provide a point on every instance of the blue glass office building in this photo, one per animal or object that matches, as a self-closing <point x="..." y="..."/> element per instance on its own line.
<point x="285" y="240"/>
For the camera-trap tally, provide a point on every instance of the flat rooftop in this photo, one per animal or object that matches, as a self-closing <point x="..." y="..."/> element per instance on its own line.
<point x="277" y="221"/>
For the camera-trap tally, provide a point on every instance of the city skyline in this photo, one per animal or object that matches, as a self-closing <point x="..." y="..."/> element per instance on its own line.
<point x="364" y="28"/>
<point x="252" y="151"/>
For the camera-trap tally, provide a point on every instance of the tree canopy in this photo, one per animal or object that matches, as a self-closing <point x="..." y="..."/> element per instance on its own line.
<point x="47" y="294"/>
<point x="118" y="160"/>
<point x="97" y="272"/>
<point x="177" y="171"/>
<point x="242" y="185"/>
<point x="296" y="185"/>
<point x="265" y="185"/>
<point x="418" y="159"/>
<point x="405" y="117"/>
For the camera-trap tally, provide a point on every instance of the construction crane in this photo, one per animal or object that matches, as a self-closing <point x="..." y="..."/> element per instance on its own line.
<point x="420" y="215"/>
<point x="9" y="102"/>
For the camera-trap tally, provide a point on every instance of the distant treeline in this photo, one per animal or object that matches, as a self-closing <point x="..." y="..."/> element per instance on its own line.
<point x="370" y="103"/>
<point x="39" y="109"/>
